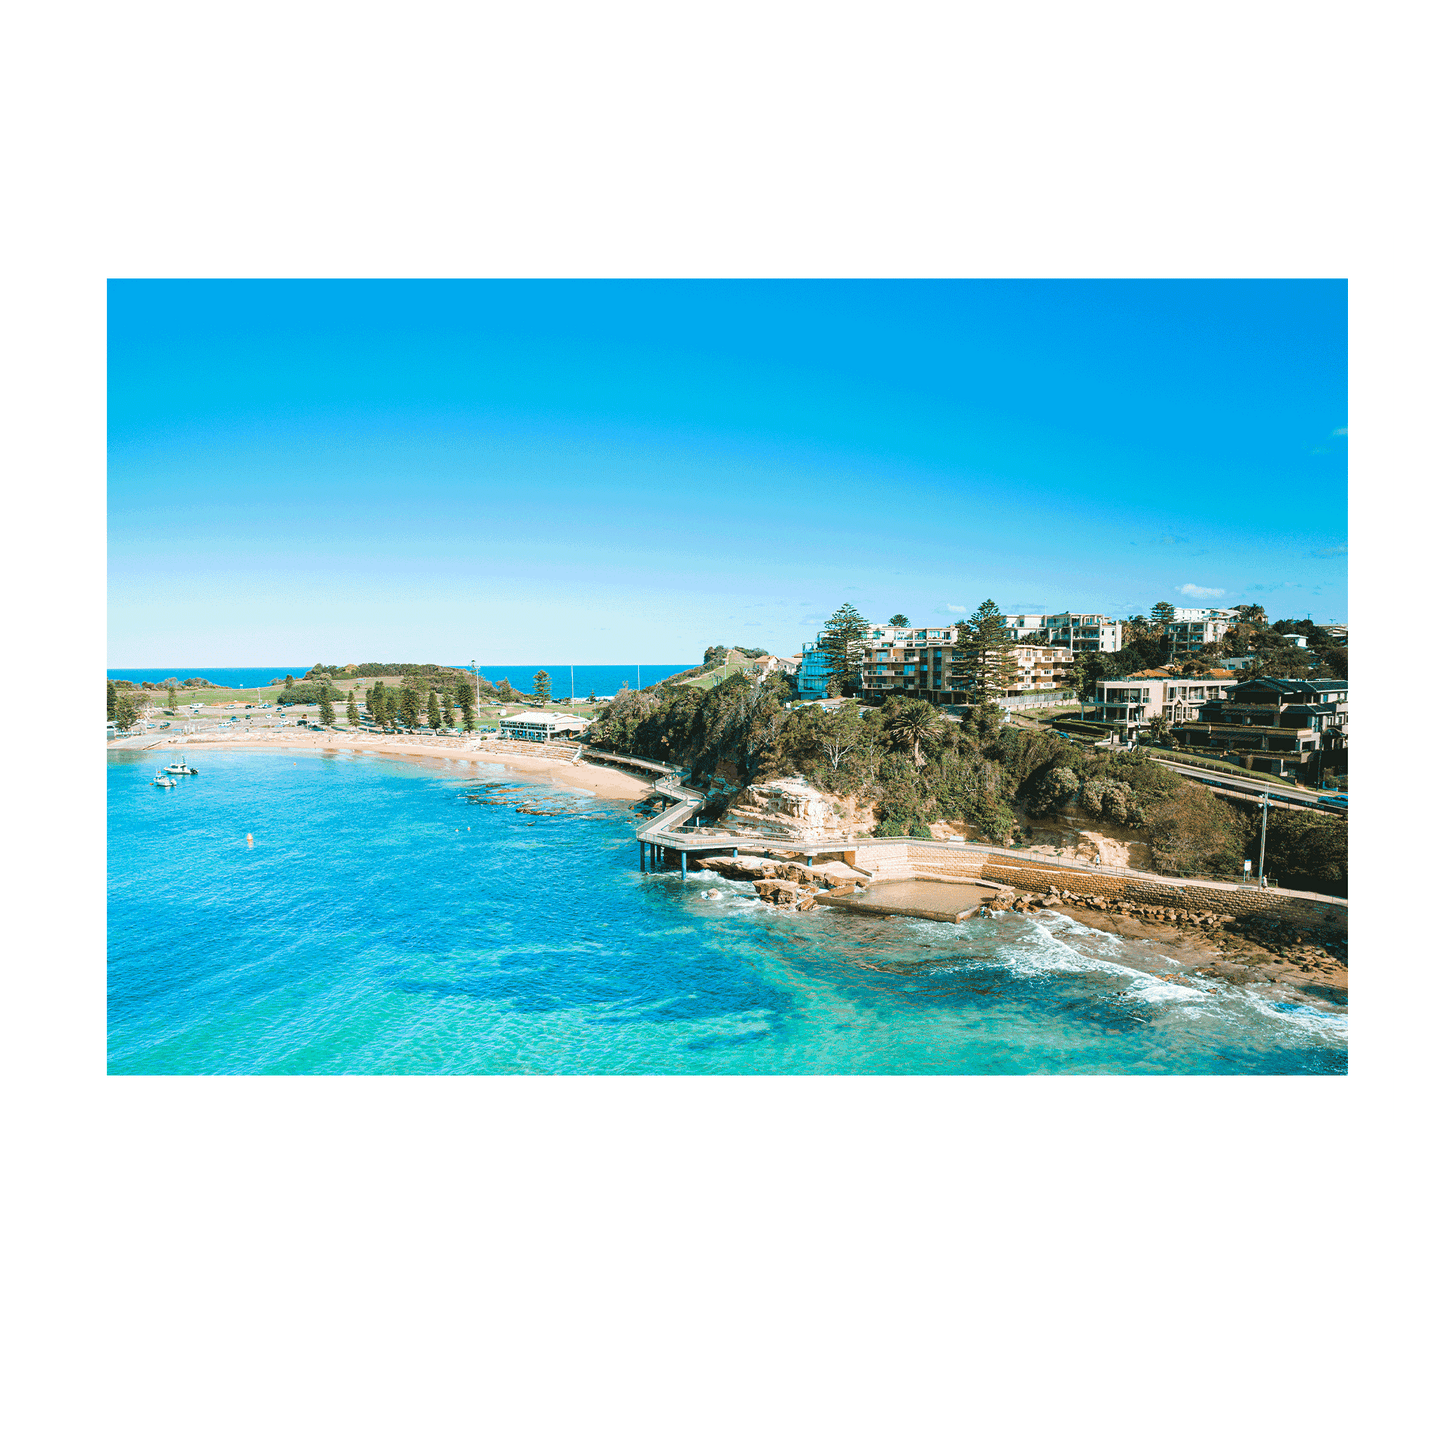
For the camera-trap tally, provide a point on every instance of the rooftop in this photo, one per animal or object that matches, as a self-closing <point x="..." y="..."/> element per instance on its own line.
<point x="539" y="719"/>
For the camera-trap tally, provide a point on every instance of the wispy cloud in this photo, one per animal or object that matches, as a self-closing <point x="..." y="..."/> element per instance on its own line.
<point x="1340" y="551"/>
<point x="1340" y="431"/>
<point x="1193" y="589"/>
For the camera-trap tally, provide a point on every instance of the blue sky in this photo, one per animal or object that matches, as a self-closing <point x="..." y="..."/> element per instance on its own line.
<point x="618" y="471"/>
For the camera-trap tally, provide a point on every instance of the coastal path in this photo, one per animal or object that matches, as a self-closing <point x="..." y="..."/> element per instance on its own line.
<point x="890" y="858"/>
<point x="674" y="830"/>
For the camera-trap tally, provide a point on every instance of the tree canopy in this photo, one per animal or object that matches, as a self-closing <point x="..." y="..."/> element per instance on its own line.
<point x="842" y="643"/>
<point x="988" y="667"/>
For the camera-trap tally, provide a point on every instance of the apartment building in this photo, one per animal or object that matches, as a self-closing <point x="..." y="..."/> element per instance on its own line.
<point x="932" y="667"/>
<point x="1194" y="628"/>
<point x="812" y="675"/>
<point x="1077" y="631"/>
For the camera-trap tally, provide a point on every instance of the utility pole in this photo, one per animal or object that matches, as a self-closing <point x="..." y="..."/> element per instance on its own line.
<point x="477" y="690"/>
<point x="1263" y="829"/>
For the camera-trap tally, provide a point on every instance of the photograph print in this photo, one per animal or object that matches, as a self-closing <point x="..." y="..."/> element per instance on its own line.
<point x="727" y="677"/>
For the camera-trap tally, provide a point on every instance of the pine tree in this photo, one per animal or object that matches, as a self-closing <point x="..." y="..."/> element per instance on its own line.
<point x="433" y="710"/>
<point x="353" y="717"/>
<point x="898" y="620"/>
<point x="988" y="667"/>
<point x="842" y="644"/>
<point x="171" y="698"/>
<point x="127" y="710"/>
<point x="1160" y="615"/>
<point x="409" y="706"/>
<point x="542" y="687"/>
<point x="327" y="712"/>
<point x="110" y="702"/>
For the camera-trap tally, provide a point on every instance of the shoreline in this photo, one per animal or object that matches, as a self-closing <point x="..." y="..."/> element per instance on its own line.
<point x="595" y="778"/>
<point x="1231" y="957"/>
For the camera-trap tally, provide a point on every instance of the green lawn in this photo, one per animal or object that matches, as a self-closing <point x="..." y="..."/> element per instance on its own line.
<point x="718" y="674"/>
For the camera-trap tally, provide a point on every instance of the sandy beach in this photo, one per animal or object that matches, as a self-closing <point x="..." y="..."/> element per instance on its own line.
<point x="595" y="778"/>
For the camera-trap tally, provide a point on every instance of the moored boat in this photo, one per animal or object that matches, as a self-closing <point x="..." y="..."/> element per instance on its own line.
<point x="181" y="770"/>
<point x="161" y="781"/>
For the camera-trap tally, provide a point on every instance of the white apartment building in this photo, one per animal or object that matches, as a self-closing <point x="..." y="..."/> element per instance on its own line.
<point x="1078" y="631"/>
<point x="1195" y="627"/>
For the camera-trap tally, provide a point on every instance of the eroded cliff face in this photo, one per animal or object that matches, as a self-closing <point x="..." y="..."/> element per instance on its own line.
<point x="792" y="809"/>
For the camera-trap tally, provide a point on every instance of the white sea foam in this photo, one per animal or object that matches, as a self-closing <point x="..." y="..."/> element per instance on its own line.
<point x="1331" y="1026"/>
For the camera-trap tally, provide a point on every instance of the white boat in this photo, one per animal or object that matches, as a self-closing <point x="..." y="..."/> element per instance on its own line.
<point x="181" y="770"/>
<point x="161" y="781"/>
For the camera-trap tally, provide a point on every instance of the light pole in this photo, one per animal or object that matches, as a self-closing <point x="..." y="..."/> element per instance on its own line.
<point x="1263" y="829"/>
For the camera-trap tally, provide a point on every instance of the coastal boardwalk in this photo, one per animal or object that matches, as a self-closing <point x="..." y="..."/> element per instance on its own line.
<point x="949" y="860"/>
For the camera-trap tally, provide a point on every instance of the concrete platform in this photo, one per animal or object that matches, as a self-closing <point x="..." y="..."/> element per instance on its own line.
<point x="912" y="898"/>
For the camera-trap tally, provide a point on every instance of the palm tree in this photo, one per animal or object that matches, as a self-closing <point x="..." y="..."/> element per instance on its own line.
<point x="915" y="723"/>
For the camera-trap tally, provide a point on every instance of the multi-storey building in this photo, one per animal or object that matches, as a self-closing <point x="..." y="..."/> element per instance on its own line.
<point x="1078" y="631"/>
<point x="1129" y="701"/>
<point x="812" y="676"/>
<point x="932" y="666"/>
<point x="813" y="663"/>
<point x="1280" y="724"/>
<point x="1193" y="628"/>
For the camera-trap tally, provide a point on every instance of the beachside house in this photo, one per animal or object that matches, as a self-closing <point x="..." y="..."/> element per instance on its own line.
<point x="1277" y="725"/>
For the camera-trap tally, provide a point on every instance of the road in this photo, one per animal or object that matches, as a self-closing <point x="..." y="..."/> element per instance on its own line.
<point x="1234" y="783"/>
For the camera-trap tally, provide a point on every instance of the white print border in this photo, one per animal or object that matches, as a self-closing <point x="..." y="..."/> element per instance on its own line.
<point x="84" y="1096"/>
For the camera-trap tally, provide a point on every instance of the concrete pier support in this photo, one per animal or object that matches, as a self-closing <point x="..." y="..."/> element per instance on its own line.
<point x="682" y="865"/>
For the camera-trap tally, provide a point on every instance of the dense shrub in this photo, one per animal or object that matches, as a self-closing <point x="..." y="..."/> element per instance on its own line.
<point x="1194" y="832"/>
<point x="310" y="693"/>
<point x="1049" y="789"/>
<point x="1303" y="850"/>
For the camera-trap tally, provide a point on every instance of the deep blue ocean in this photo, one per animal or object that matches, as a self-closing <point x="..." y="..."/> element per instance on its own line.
<point x="377" y="923"/>
<point x="601" y="678"/>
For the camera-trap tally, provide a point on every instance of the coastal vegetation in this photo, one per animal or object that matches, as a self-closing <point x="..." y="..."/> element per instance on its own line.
<point x="310" y="694"/>
<point x="916" y="766"/>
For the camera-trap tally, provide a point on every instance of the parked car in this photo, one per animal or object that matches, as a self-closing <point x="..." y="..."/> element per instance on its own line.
<point x="1338" y="800"/>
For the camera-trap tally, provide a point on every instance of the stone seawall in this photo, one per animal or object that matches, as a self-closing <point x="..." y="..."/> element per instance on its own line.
<point x="902" y="859"/>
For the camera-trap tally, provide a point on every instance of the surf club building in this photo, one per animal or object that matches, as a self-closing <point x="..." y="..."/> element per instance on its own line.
<point x="543" y="727"/>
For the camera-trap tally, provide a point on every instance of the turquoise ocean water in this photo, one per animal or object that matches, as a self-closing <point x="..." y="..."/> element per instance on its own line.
<point x="379" y="924"/>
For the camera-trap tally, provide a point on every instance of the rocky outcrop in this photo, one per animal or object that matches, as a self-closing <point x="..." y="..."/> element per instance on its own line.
<point x="751" y="868"/>
<point x="792" y="810"/>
